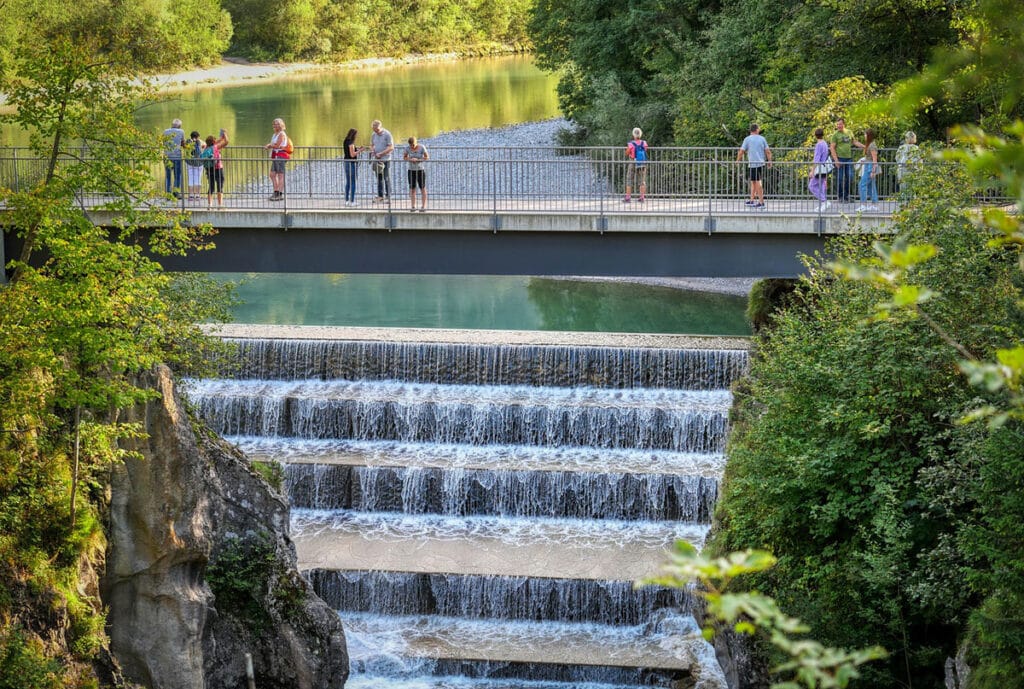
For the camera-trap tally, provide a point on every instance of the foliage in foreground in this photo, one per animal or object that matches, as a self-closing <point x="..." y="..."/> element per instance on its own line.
<point x="848" y="461"/>
<point x="84" y="312"/>
<point x="810" y="664"/>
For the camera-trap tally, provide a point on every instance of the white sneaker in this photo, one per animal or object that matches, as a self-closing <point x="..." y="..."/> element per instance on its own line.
<point x="861" y="208"/>
<point x="872" y="208"/>
<point x="826" y="205"/>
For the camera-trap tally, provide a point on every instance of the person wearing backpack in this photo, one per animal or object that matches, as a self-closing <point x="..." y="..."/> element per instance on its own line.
<point x="636" y="151"/>
<point x="214" y="165"/>
<point x="280" y="148"/>
<point x="194" y="166"/>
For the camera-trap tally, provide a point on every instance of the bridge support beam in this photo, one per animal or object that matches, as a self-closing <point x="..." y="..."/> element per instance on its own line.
<point x="464" y="243"/>
<point x="502" y="253"/>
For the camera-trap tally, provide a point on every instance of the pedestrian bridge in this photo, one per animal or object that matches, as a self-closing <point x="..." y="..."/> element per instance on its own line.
<point x="514" y="212"/>
<point x="523" y="241"/>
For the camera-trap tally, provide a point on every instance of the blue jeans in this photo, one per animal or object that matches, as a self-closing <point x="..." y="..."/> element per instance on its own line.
<point x="844" y="179"/>
<point x="868" y="188"/>
<point x="350" y="180"/>
<point x="172" y="171"/>
<point x="384" y="181"/>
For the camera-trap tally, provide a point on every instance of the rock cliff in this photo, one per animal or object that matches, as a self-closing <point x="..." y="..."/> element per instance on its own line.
<point x="201" y="569"/>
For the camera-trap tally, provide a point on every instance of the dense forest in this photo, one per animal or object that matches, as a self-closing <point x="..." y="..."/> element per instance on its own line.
<point x="698" y="73"/>
<point x="160" y="34"/>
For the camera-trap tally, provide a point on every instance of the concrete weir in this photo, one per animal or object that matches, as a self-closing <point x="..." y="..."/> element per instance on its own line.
<point x="478" y="503"/>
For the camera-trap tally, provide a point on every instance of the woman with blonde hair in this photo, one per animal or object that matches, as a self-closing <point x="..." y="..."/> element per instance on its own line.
<point x="280" y="151"/>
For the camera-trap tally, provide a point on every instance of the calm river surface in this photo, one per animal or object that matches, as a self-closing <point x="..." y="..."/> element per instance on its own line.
<point x="501" y="303"/>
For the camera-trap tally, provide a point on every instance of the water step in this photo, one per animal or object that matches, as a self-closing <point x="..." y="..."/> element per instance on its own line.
<point x="485" y="545"/>
<point x="457" y="492"/>
<point x="514" y="598"/>
<point x="477" y="363"/>
<point x="489" y="457"/>
<point x="360" y="681"/>
<point x="363" y="681"/>
<point x="511" y="641"/>
<point x="680" y="420"/>
<point x="426" y="673"/>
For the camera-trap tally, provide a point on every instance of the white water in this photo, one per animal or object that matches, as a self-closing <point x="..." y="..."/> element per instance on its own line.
<point x="596" y="534"/>
<point x="477" y="513"/>
<point x="490" y="457"/>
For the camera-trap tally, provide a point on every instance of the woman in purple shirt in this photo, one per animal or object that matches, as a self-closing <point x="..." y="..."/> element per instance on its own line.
<point x="818" y="179"/>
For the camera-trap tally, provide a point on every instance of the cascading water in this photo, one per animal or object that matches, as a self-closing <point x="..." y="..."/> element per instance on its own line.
<point x="477" y="512"/>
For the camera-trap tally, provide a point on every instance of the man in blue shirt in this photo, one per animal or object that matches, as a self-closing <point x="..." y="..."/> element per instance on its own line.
<point x="759" y="158"/>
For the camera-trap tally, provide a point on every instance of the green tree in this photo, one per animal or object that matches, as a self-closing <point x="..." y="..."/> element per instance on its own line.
<point x="157" y="34"/>
<point x="618" y="61"/>
<point x="847" y="461"/>
<point x="85" y="311"/>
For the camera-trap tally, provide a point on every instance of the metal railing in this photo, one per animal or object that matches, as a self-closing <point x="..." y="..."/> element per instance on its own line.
<point x="691" y="181"/>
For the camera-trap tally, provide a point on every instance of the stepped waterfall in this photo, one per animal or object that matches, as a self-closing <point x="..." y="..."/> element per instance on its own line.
<point x="476" y="512"/>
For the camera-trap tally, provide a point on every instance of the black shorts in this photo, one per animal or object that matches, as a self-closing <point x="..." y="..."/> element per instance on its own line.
<point x="417" y="178"/>
<point x="754" y="174"/>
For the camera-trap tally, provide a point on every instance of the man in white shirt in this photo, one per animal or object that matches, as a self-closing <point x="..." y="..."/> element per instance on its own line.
<point x="381" y="146"/>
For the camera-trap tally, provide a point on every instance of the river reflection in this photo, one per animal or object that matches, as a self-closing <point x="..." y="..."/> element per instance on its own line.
<point x="319" y="108"/>
<point x="502" y="303"/>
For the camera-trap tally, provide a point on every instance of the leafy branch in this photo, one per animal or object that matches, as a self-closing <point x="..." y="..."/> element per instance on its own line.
<point x="812" y="665"/>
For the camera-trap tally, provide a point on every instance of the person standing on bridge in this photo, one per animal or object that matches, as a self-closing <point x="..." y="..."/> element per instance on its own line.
<point x="759" y="157"/>
<point x="214" y="164"/>
<point x="174" y="138"/>
<point x="194" y="166"/>
<point x="636" y="151"/>
<point x="841" y="144"/>
<point x="351" y="157"/>
<point x="821" y="165"/>
<point x="416" y="154"/>
<point x="381" y="145"/>
<point x="280" y="151"/>
<point x="868" y="172"/>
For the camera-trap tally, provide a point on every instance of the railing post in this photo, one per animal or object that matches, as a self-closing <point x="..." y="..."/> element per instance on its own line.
<point x="14" y="160"/>
<point x="712" y="186"/>
<point x="309" y="177"/>
<point x="494" y="193"/>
